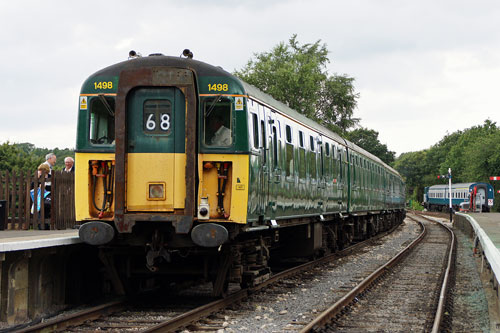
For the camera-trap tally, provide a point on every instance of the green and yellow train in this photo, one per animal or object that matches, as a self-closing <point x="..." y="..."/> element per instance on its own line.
<point x="184" y="171"/>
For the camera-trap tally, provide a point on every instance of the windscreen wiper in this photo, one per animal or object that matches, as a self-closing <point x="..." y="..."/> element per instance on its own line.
<point x="211" y="108"/>
<point x="106" y="105"/>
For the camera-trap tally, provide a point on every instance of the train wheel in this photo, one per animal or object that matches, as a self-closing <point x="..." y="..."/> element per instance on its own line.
<point x="221" y="282"/>
<point x="220" y="290"/>
<point x="371" y="230"/>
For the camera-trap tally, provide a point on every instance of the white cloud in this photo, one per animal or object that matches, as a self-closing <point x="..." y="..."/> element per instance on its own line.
<point x="422" y="68"/>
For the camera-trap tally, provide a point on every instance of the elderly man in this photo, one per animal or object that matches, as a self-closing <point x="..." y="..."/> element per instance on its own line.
<point x="50" y="160"/>
<point x="69" y="164"/>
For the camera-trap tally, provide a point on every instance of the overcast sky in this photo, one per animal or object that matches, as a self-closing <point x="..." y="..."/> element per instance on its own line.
<point x="422" y="68"/>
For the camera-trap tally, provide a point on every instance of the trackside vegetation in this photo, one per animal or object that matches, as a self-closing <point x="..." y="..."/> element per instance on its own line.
<point x="473" y="155"/>
<point x="27" y="157"/>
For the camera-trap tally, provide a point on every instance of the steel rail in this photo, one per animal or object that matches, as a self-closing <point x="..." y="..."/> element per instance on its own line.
<point x="205" y="310"/>
<point x="77" y="318"/>
<point x="196" y="314"/>
<point x="446" y="279"/>
<point x="297" y="269"/>
<point x="327" y="315"/>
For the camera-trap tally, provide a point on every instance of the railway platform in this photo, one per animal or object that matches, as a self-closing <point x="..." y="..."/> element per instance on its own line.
<point x="16" y="240"/>
<point x="41" y="272"/>
<point x="484" y="230"/>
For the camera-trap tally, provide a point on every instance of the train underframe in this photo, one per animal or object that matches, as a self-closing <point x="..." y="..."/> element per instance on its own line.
<point x="446" y="208"/>
<point x="157" y="256"/>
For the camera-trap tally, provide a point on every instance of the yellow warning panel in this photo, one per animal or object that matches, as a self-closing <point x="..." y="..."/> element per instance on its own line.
<point x="238" y="103"/>
<point x="83" y="102"/>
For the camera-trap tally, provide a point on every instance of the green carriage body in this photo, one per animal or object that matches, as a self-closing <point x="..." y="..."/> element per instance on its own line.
<point x="297" y="168"/>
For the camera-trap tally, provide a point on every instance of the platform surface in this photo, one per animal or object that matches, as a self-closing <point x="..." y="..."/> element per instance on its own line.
<point x="490" y="223"/>
<point x="15" y="240"/>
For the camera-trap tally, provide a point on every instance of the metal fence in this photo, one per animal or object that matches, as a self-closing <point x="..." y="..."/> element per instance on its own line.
<point x="28" y="205"/>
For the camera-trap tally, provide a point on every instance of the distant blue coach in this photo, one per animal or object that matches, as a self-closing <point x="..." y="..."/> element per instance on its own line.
<point x="436" y="197"/>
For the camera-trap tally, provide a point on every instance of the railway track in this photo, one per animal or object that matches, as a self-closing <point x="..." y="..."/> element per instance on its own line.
<point x="406" y="294"/>
<point x="119" y="316"/>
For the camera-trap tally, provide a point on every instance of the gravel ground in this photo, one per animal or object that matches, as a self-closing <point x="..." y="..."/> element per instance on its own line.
<point x="289" y="306"/>
<point x="280" y="309"/>
<point x="470" y="306"/>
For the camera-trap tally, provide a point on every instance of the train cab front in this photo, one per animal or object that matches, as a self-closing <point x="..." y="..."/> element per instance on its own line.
<point x="136" y="150"/>
<point x="158" y="183"/>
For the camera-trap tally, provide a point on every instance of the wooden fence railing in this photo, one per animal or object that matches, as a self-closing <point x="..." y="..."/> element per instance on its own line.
<point x="22" y="213"/>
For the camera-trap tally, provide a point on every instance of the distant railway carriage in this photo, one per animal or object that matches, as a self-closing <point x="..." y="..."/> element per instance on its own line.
<point x="183" y="170"/>
<point x="437" y="197"/>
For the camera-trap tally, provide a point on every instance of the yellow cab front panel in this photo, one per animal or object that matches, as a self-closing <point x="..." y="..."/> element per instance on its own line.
<point x="156" y="160"/>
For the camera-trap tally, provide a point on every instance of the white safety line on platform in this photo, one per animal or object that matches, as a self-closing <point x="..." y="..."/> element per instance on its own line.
<point x="32" y="242"/>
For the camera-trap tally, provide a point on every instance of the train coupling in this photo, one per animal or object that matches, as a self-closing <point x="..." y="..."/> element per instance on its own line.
<point x="96" y="233"/>
<point x="156" y="250"/>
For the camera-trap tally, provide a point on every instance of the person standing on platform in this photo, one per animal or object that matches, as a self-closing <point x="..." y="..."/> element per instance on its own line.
<point x="69" y="164"/>
<point x="50" y="160"/>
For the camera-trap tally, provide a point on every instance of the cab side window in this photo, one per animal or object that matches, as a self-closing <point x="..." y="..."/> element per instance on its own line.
<point x="102" y="121"/>
<point x="217" y="122"/>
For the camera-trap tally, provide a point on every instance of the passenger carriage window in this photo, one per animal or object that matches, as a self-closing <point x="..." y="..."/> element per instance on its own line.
<point x="289" y="151"/>
<point x="255" y="124"/>
<point x="263" y="134"/>
<point x="321" y="161"/>
<point x="157" y="116"/>
<point x="335" y="161"/>
<point x="217" y="121"/>
<point x="275" y="148"/>
<point x="102" y="120"/>
<point x="327" y="161"/>
<point x="288" y="134"/>
<point x="263" y="139"/>
<point x="302" y="156"/>
<point x="280" y="147"/>
<point x="312" y="159"/>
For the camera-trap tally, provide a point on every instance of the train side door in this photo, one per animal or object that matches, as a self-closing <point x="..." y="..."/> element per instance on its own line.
<point x="263" y="188"/>
<point x="340" y="178"/>
<point x="346" y="182"/>
<point x="155" y="150"/>
<point x="321" y="173"/>
<point x="274" y="179"/>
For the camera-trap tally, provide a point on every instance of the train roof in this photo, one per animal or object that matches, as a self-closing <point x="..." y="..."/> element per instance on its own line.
<point x="267" y="99"/>
<point x="204" y="69"/>
<point x="199" y="67"/>
<point x="455" y="186"/>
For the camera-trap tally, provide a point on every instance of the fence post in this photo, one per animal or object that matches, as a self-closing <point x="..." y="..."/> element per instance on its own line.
<point x="8" y="198"/>
<point x="15" y="187"/>
<point x="1" y="185"/>
<point x="27" y="206"/>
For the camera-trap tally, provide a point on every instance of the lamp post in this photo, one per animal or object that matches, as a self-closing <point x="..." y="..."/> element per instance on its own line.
<point x="449" y="182"/>
<point x="494" y="178"/>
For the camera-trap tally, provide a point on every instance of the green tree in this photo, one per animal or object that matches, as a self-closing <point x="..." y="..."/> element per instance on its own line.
<point x="472" y="154"/>
<point x="413" y="167"/>
<point x="296" y="75"/>
<point x="14" y="158"/>
<point x="27" y="157"/>
<point x="368" y="140"/>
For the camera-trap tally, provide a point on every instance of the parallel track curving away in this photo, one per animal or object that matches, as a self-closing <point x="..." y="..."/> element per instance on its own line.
<point x="416" y="278"/>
